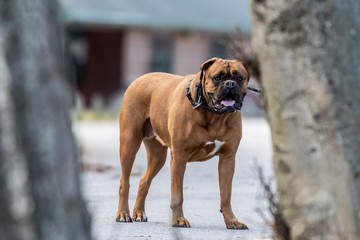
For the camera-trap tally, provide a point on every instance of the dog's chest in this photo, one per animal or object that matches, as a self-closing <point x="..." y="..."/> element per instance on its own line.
<point x="206" y="150"/>
<point x="215" y="145"/>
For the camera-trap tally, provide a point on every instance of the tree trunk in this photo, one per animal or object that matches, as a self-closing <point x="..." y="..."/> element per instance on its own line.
<point x="309" y="59"/>
<point x="39" y="185"/>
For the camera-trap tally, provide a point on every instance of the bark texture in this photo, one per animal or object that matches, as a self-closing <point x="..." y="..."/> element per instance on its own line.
<point x="39" y="185"/>
<point x="309" y="59"/>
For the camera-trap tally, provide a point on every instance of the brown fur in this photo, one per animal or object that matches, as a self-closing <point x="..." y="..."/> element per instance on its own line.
<point x="156" y="111"/>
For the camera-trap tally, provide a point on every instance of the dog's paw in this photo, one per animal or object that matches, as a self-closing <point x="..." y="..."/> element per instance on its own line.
<point x="123" y="217"/>
<point x="181" y="222"/>
<point x="235" y="224"/>
<point x="139" y="216"/>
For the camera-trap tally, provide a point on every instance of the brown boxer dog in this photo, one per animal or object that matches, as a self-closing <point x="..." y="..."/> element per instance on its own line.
<point x="197" y="117"/>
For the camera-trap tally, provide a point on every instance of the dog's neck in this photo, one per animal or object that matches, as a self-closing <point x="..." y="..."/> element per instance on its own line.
<point x="195" y="94"/>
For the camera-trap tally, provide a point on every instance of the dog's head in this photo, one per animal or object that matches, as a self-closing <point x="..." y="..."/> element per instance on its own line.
<point x="224" y="84"/>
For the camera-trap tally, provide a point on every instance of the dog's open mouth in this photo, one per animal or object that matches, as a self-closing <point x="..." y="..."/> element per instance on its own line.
<point x="228" y="103"/>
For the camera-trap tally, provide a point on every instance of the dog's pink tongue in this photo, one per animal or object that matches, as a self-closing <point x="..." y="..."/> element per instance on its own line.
<point x="228" y="103"/>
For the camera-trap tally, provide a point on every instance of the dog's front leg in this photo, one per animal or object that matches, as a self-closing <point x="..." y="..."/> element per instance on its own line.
<point x="178" y="166"/>
<point x="226" y="173"/>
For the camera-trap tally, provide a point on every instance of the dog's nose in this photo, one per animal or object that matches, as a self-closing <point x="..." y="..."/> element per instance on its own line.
<point x="230" y="84"/>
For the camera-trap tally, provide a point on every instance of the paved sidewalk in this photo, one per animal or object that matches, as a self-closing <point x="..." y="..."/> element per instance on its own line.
<point x="99" y="144"/>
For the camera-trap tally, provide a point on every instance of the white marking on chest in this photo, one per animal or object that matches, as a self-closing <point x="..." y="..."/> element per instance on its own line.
<point x="160" y="140"/>
<point x="217" y="146"/>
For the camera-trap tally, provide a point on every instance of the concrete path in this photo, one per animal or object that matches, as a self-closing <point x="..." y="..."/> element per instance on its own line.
<point x="99" y="146"/>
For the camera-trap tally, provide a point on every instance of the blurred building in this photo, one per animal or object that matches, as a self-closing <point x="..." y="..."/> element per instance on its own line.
<point x="112" y="42"/>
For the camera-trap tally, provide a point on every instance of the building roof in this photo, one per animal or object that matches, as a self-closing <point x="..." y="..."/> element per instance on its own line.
<point x="191" y="15"/>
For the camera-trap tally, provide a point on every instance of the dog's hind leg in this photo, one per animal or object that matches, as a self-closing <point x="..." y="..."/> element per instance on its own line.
<point x="156" y="157"/>
<point x="130" y="140"/>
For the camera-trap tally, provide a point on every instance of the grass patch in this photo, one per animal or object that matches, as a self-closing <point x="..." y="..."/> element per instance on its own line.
<point x="93" y="116"/>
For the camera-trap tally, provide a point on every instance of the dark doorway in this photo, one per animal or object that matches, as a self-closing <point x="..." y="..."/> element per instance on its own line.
<point x="102" y="74"/>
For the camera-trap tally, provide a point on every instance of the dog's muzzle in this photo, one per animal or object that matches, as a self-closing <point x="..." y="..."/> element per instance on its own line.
<point x="229" y="99"/>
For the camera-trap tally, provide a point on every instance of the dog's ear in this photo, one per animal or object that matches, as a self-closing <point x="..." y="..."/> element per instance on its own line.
<point x="206" y="65"/>
<point x="248" y="69"/>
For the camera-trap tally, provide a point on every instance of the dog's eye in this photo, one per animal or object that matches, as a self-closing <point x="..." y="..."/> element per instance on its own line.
<point x="217" y="78"/>
<point x="238" y="78"/>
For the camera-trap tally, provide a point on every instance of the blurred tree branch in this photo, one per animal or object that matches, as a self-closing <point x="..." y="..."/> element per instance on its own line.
<point x="243" y="51"/>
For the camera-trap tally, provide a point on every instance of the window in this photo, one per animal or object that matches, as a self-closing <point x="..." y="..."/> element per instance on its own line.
<point x="218" y="48"/>
<point x="163" y="46"/>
